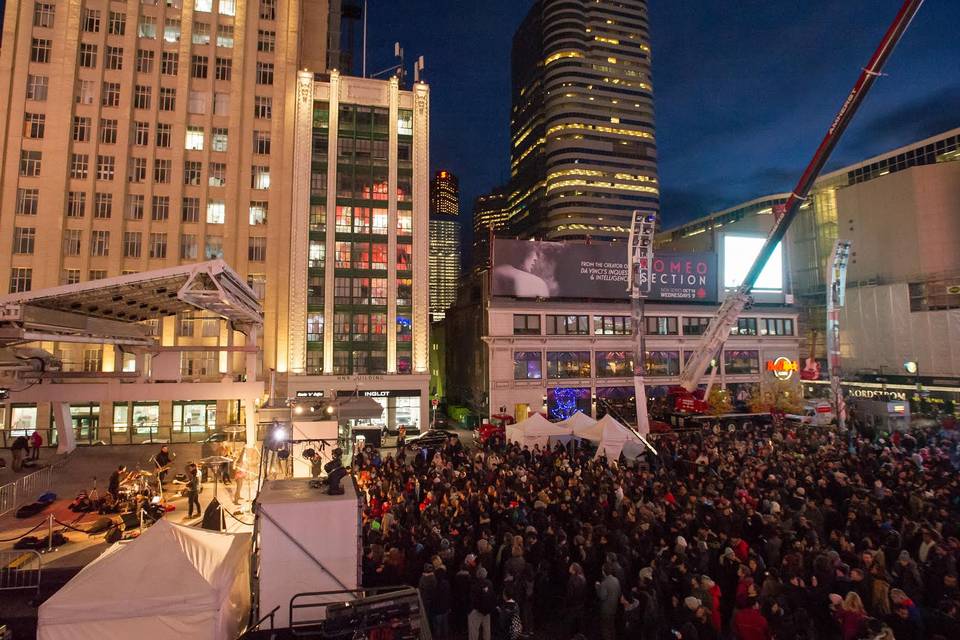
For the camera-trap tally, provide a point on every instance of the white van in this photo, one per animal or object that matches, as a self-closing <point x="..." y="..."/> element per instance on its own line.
<point x="815" y="414"/>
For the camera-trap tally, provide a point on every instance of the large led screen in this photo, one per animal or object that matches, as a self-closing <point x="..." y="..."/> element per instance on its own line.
<point x="526" y="269"/>
<point x="739" y="253"/>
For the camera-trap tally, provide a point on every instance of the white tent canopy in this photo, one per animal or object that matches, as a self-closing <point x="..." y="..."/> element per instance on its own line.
<point x="579" y="420"/>
<point x="172" y="582"/>
<point x="535" y="430"/>
<point x="609" y="435"/>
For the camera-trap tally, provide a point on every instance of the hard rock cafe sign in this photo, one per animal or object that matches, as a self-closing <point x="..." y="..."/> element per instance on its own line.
<point x="783" y="368"/>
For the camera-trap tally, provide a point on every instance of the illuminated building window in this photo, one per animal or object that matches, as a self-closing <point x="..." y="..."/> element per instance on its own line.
<point x="216" y="212"/>
<point x="194" y="138"/>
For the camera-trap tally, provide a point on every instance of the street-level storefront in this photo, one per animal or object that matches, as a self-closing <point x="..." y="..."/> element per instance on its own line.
<point x="929" y="396"/>
<point x="404" y="399"/>
<point x="124" y="422"/>
<point x="557" y="375"/>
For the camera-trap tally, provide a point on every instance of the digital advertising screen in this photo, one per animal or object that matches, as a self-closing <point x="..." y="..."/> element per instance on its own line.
<point x="739" y="254"/>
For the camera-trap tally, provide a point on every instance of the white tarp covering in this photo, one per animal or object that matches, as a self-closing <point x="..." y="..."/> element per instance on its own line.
<point x="535" y="430"/>
<point x="172" y="582"/>
<point x="609" y="435"/>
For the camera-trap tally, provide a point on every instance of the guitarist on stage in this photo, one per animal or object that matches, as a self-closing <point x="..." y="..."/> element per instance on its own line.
<point x="163" y="460"/>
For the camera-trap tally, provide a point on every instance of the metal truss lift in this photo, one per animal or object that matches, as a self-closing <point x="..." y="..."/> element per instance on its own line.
<point x="736" y="302"/>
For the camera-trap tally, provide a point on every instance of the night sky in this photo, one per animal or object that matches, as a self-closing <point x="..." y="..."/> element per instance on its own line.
<point x="744" y="89"/>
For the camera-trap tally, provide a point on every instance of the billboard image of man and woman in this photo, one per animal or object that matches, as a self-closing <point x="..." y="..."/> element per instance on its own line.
<point x="536" y="269"/>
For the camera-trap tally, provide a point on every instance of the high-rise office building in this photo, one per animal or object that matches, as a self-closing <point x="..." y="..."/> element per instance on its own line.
<point x="490" y="216"/>
<point x="444" y="242"/>
<point x="139" y="136"/>
<point x="444" y="194"/>
<point x="357" y="319"/>
<point x="145" y="135"/>
<point x="583" y="153"/>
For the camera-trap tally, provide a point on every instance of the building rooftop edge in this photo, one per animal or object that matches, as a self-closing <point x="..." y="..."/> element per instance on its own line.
<point x="825" y="177"/>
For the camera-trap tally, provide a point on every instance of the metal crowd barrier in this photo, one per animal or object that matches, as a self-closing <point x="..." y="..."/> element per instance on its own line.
<point x="8" y="498"/>
<point x="26" y="488"/>
<point x="20" y="570"/>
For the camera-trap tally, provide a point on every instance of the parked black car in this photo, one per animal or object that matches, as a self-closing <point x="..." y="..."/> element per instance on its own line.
<point x="431" y="440"/>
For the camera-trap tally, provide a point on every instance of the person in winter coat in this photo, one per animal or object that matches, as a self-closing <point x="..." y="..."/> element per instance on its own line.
<point x="483" y="602"/>
<point x="850" y="615"/>
<point x="428" y="593"/>
<point x="575" y="600"/>
<point x="462" y="581"/>
<point x="608" y="593"/>
<point x="36" y="441"/>
<point x="440" y="617"/>
<point x="749" y="623"/>
<point x="906" y="576"/>
<point x="713" y="602"/>
<point x="509" y="625"/>
<point x="902" y="625"/>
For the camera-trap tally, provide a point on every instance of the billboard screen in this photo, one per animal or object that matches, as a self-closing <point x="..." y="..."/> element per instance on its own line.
<point x="739" y="253"/>
<point x="534" y="269"/>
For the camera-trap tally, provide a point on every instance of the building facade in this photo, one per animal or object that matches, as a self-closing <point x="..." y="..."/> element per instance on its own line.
<point x="583" y="153"/>
<point x="547" y="356"/>
<point x="445" y="247"/>
<point x="145" y="135"/>
<point x="142" y="136"/>
<point x="359" y="277"/>
<point x="903" y="282"/>
<point x="569" y="343"/>
<point x="541" y="356"/>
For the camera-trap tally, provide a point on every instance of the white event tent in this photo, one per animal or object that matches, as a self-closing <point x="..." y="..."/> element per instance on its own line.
<point x="579" y="420"/>
<point x="609" y="435"/>
<point x="535" y="430"/>
<point x="172" y="582"/>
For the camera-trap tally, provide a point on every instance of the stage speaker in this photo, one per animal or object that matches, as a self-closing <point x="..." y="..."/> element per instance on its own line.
<point x="130" y="520"/>
<point x="213" y="516"/>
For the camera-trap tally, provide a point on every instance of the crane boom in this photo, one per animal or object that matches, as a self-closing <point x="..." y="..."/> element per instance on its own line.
<point x="726" y="316"/>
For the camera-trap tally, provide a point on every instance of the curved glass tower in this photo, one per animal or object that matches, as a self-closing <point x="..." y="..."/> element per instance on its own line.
<point x="583" y="150"/>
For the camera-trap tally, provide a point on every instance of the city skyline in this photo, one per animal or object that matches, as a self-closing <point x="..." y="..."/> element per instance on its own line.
<point x="711" y="154"/>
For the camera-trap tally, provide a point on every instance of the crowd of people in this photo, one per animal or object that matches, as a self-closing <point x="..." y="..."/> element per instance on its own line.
<point x="751" y="534"/>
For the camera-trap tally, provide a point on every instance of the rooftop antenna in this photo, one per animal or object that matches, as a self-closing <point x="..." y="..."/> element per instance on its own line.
<point x="417" y="69"/>
<point x="397" y="68"/>
<point x="364" y="38"/>
<point x="398" y="53"/>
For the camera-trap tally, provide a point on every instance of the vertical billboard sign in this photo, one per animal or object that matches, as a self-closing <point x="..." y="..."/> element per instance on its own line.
<point x="534" y="269"/>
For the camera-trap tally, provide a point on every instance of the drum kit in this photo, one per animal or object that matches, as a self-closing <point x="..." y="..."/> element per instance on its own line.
<point x="140" y="490"/>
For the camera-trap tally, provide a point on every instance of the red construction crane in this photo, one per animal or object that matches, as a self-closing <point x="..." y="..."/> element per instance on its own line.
<point x="726" y="317"/>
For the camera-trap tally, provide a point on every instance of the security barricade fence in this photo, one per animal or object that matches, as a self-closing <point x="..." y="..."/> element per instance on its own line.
<point x="8" y="497"/>
<point x="26" y="488"/>
<point x="20" y="569"/>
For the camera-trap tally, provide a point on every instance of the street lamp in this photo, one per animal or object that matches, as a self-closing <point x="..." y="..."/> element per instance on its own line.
<point x="913" y="369"/>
